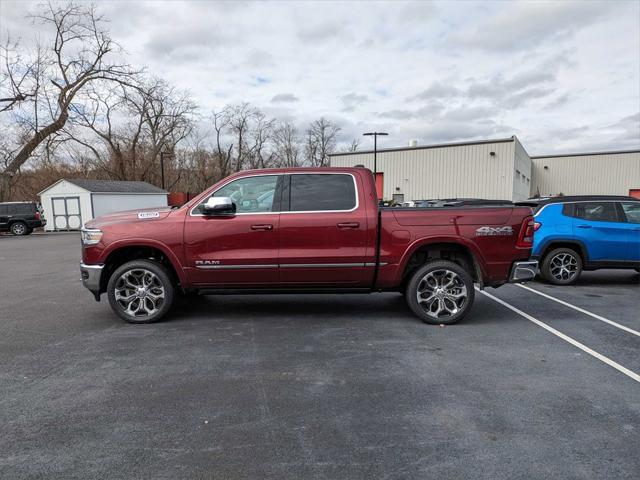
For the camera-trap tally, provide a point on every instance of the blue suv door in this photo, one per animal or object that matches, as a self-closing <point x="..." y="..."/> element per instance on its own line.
<point x="631" y="213"/>
<point x="601" y="229"/>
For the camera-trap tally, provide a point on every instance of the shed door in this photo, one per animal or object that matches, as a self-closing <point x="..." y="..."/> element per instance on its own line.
<point x="66" y="213"/>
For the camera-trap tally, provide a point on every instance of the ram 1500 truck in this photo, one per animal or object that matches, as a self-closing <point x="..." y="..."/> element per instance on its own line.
<point x="305" y="230"/>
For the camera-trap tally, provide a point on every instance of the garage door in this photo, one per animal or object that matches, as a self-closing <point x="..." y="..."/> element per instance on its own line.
<point x="66" y="213"/>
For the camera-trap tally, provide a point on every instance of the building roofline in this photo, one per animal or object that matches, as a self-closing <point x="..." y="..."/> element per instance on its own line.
<point x="426" y="147"/>
<point x="586" y="154"/>
<point x="56" y="183"/>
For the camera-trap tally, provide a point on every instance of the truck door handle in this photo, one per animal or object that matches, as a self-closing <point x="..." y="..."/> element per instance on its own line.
<point x="349" y="225"/>
<point x="262" y="227"/>
<point x="584" y="226"/>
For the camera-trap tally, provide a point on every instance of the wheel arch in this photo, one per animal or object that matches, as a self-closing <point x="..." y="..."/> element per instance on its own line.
<point x="465" y="254"/>
<point x="571" y="243"/>
<point x="120" y="253"/>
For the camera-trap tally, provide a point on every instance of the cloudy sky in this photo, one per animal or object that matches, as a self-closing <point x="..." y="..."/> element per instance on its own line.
<point x="562" y="76"/>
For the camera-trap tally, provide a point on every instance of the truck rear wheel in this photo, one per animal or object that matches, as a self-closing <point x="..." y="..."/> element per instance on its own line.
<point x="440" y="292"/>
<point x="140" y="291"/>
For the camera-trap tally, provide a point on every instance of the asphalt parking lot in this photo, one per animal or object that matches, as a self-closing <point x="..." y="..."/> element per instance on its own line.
<point x="324" y="386"/>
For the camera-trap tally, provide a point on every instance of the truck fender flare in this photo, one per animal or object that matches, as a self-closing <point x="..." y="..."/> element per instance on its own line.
<point x="477" y="257"/>
<point x="145" y="242"/>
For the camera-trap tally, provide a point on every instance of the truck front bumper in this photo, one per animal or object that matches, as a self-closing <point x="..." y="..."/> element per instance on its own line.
<point x="523" y="271"/>
<point x="91" y="276"/>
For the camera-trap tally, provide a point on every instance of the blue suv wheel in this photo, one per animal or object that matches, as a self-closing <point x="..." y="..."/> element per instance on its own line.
<point x="561" y="266"/>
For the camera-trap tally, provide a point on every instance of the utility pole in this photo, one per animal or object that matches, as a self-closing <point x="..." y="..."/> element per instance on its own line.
<point x="162" y="154"/>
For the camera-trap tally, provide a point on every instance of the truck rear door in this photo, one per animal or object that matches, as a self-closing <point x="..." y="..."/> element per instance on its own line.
<point x="323" y="231"/>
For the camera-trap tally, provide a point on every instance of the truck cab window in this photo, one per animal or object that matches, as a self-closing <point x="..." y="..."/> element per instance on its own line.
<point x="251" y="194"/>
<point x="322" y="192"/>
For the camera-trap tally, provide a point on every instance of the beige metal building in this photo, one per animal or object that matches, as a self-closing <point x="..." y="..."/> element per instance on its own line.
<point x="493" y="169"/>
<point x="600" y="173"/>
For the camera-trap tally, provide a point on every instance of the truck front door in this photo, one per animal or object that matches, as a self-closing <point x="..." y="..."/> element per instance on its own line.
<point x="236" y="250"/>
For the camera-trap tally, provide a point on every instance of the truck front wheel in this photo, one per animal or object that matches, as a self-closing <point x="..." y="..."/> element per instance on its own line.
<point x="440" y="292"/>
<point x="140" y="291"/>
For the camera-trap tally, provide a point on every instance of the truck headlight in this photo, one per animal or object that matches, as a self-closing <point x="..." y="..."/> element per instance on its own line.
<point x="91" y="237"/>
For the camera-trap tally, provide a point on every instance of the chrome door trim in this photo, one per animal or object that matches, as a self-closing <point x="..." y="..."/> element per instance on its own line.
<point x="233" y="267"/>
<point x="355" y="184"/>
<point x="290" y="265"/>
<point x="320" y="265"/>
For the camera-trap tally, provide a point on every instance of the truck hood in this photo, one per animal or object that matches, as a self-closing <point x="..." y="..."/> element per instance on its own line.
<point x="129" y="216"/>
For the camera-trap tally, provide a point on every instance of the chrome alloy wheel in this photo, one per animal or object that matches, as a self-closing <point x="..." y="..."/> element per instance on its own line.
<point x="441" y="293"/>
<point x="139" y="292"/>
<point x="563" y="267"/>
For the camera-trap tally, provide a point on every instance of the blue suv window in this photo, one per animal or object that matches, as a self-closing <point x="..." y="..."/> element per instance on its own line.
<point x="632" y="211"/>
<point x="596" y="211"/>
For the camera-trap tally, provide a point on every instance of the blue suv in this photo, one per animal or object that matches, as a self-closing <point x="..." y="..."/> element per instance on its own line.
<point x="573" y="234"/>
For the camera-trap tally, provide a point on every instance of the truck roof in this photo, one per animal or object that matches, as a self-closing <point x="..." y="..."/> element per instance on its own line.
<point x="301" y="170"/>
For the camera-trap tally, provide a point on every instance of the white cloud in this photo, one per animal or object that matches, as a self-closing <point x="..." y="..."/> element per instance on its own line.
<point x="529" y="23"/>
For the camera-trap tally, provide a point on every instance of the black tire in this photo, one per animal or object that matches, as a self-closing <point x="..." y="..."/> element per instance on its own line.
<point x="19" y="228"/>
<point x="552" y="266"/>
<point x="160" y="284"/>
<point x="440" y="272"/>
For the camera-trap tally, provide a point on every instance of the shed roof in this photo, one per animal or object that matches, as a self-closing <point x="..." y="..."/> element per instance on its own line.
<point x="111" y="186"/>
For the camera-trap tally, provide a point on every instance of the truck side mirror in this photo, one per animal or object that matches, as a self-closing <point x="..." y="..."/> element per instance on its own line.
<point x="219" y="206"/>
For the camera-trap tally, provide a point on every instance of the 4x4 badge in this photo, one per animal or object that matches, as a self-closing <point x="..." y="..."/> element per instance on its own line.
<point x="494" y="231"/>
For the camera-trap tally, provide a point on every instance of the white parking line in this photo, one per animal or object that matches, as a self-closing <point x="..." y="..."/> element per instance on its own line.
<point x="566" y="338"/>
<point x="581" y="310"/>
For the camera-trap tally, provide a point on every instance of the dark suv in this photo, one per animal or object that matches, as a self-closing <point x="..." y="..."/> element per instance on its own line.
<point x="20" y="218"/>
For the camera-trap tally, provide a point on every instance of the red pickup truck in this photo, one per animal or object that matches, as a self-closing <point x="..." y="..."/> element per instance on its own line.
<point x="305" y="230"/>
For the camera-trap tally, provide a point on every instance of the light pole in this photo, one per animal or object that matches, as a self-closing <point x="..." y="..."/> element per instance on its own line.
<point x="375" y="148"/>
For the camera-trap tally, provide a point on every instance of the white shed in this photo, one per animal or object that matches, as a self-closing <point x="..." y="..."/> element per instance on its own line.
<point x="68" y="204"/>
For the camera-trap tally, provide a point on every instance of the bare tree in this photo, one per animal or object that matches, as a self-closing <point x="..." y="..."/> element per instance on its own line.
<point x="286" y="145"/>
<point x="167" y="116"/>
<point x="243" y="138"/>
<point x="135" y="124"/>
<point x="79" y="54"/>
<point x="260" y="153"/>
<point x="320" y="142"/>
<point x="221" y="121"/>
<point x="240" y="118"/>
<point x="353" y="146"/>
<point x="19" y="77"/>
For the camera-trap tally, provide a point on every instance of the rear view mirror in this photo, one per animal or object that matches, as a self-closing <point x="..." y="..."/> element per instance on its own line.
<point x="219" y="206"/>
